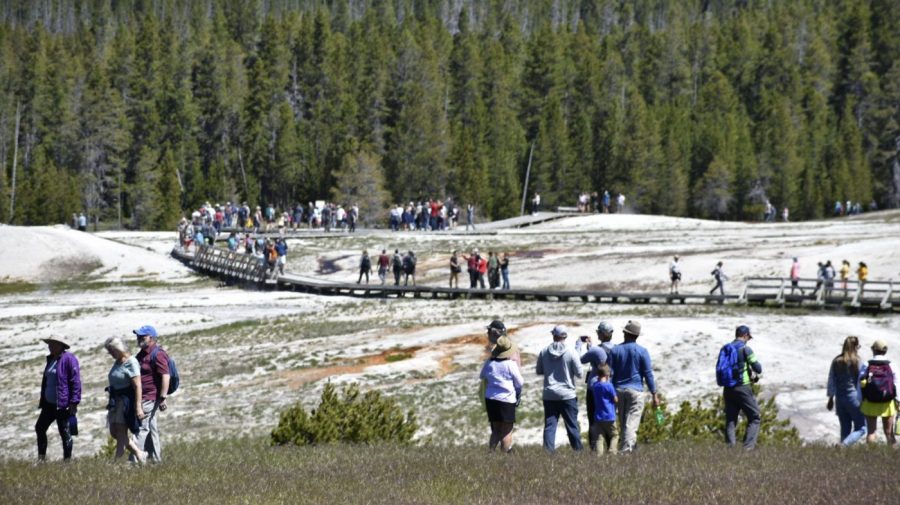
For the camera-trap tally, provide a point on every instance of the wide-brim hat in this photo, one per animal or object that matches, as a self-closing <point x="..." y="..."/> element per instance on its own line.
<point x="504" y="349"/>
<point x="58" y="339"/>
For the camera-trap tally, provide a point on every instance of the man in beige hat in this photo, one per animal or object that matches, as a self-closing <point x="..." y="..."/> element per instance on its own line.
<point x="631" y="367"/>
<point x="60" y="396"/>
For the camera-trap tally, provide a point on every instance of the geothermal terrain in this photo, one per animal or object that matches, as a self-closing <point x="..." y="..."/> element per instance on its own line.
<point x="246" y="355"/>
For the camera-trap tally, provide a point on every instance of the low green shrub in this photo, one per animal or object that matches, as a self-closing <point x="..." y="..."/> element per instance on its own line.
<point x="698" y="422"/>
<point x="355" y="417"/>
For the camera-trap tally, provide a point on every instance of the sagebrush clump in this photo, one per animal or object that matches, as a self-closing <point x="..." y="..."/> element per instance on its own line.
<point x="697" y="422"/>
<point x="355" y="417"/>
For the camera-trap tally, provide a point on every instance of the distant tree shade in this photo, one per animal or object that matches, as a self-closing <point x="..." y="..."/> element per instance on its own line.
<point x="137" y="110"/>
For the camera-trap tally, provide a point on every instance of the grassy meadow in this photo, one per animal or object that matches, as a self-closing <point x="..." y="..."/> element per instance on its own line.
<point x="248" y="470"/>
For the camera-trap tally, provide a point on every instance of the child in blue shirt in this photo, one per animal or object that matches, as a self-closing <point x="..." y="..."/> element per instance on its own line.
<point x="604" y="414"/>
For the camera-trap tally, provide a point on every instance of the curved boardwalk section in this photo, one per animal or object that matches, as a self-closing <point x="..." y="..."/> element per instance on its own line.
<point x="248" y="271"/>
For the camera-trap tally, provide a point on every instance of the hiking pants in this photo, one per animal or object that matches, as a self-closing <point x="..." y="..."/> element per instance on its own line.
<point x="396" y="277"/>
<point x="473" y="279"/>
<point x="47" y="416"/>
<point x="147" y="438"/>
<point x="630" y="409"/>
<point x="720" y="286"/>
<point x="737" y="399"/>
<point x="568" y="409"/>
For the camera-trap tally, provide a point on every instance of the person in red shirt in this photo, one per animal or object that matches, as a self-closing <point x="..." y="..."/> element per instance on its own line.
<point x="482" y="270"/>
<point x="154" y="388"/>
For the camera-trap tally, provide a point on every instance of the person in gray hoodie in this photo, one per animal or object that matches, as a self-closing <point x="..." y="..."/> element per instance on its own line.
<point x="560" y="367"/>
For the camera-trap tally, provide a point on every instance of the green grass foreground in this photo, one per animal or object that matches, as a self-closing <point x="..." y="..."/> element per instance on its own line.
<point x="250" y="471"/>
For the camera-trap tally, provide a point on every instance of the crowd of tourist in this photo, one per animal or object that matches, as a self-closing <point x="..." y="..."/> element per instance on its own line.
<point x="619" y="380"/>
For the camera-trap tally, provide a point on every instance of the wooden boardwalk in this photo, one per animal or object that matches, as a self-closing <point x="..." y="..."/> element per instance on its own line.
<point x="247" y="270"/>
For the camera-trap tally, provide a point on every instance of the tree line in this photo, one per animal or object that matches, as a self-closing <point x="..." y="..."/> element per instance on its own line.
<point x="135" y="110"/>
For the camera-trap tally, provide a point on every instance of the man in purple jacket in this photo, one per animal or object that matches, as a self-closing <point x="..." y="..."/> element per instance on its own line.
<point x="60" y="395"/>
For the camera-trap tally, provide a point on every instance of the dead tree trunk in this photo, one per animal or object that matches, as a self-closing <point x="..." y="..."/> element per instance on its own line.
<point x="12" y="194"/>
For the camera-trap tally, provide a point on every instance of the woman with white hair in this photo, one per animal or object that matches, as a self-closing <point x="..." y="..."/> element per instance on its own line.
<point x="125" y="414"/>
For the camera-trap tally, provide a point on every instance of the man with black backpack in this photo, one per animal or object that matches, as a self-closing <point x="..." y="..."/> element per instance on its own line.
<point x="736" y="369"/>
<point x="155" y="380"/>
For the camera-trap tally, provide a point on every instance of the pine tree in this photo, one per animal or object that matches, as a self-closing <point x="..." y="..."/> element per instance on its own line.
<point x="167" y="195"/>
<point x="360" y="181"/>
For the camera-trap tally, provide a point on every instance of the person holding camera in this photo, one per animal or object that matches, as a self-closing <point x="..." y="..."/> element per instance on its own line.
<point x="739" y="397"/>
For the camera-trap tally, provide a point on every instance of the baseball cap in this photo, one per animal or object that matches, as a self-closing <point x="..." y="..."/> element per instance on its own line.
<point x="145" y="331"/>
<point x="605" y="327"/>
<point x="559" y="331"/>
<point x="742" y="330"/>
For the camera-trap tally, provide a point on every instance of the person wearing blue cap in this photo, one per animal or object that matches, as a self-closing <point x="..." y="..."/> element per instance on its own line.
<point x="154" y="387"/>
<point x="736" y="390"/>
<point x="595" y="356"/>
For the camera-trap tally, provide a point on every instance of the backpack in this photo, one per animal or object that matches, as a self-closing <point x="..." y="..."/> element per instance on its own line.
<point x="730" y="365"/>
<point x="174" y="378"/>
<point x="879" y="383"/>
<point x="366" y="263"/>
<point x="397" y="263"/>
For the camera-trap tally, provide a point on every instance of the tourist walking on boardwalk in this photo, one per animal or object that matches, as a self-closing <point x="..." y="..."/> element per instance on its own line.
<point x="674" y="275"/>
<point x="606" y="202"/>
<point x="502" y="382"/>
<point x="365" y="267"/>
<point x="155" y="378"/>
<point x="620" y="204"/>
<point x="472" y="262"/>
<point x="736" y="369"/>
<point x="720" y="277"/>
<point x="504" y="270"/>
<point x="560" y="367"/>
<point x="602" y="415"/>
<point x="482" y="270"/>
<point x="455" y="269"/>
<point x="845" y="275"/>
<point x="60" y="396"/>
<point x="470" y="217"/>
<point x="281" y="248"/>
<point x="397" y="266"/>
<point x="536" y="203"/>
<point x="879" y="391"/>
<point x="631" y="369"/>
<point x="820" y="277"/>
<point x="595" y="356"/>
<point x="795" y="277"/>
<point x="124" y="410"/>
<point x="493" y="270"/>
<point x="829" y="275"/>
<point x="409" y="268"/>
<point x="384" y="263"/>
<point x="862" y="273"/>
<point x="844" y="393"/>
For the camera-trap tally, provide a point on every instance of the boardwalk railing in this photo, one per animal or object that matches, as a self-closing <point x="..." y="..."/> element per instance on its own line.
<point x="767" y="291"/>
<point x="224" y="263"/>
<point x="854" y="294"/>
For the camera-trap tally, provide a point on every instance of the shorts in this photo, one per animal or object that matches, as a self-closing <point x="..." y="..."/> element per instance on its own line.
<point x="500" y="412"/>
<point x="116" y="415"/>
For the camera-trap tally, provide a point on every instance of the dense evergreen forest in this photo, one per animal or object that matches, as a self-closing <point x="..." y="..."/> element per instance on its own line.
<point x="134" y="110"/>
